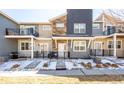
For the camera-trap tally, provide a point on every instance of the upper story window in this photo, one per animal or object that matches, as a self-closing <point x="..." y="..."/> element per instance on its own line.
<point x="27" y="29"/>
<point x="60" y="25"/>
<point x="46" y="28"/>
<point x="79" y="27"/>
<point x="96" y="26"/>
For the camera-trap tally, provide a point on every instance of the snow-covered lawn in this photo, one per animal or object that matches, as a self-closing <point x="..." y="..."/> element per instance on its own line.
<point x="69" y="63"/>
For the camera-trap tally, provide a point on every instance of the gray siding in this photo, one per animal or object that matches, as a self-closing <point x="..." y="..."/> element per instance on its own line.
<point x="97" y="32"/>
<point x="6" y="45"/>
<point x="78" y="54"/>
<point x="79" y="16"/>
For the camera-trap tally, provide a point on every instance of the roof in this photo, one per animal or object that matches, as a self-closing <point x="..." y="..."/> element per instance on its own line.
<point x="8" y="17"/>
<point x="35" y="23"/>
<point x="59" y="16"/>
<point x="109" y="17"/>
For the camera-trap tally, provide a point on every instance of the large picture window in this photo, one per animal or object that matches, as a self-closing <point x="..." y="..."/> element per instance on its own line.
<point x="79" y="27"/>
<point x="79" y="46"/>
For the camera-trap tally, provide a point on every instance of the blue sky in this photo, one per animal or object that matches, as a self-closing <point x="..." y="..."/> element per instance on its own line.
<point x="38" y="15"/>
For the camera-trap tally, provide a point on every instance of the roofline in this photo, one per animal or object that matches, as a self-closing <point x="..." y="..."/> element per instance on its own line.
<point x="37" y="23"/>
<point x="57" y="16"/>
<point x="5" y="15"/>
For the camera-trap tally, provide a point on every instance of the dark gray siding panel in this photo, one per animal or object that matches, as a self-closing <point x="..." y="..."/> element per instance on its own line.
<point x="79" y="16"/>
<point x="6" y="45"/>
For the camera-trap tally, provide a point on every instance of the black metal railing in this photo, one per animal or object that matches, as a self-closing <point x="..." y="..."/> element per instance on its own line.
<point x="17" y="31"/>
<point x="51" y="54"/>
<point x="101" y="52"/>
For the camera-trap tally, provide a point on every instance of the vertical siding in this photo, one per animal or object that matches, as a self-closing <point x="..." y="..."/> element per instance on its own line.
<point x="79" y="16"/>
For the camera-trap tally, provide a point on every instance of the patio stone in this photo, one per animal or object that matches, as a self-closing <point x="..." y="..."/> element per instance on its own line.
<point x="108" y="71"/>
<point x="92" y="71"/>
<point x="61" y="72"/>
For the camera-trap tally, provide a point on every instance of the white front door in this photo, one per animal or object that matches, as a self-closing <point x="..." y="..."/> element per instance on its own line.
<point x="61" y="49"/>
<point x="44" y="48"/>
<point x="98" y="48"/>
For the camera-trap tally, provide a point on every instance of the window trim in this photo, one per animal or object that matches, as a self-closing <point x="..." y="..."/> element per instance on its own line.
<point x="79" y="31"/>
<point x="116" y="44"/>
<point x="79" y="46"/>
<point x="97" y="24"/>
<point x="24" y="42"/>
<point x="60" y="26"/>
<point x="43" y="26"/>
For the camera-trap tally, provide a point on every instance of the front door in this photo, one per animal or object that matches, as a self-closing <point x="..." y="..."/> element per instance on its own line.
<point x="62" y="49"/>
<point x="98" y="48"/>
<point x="44" y="49"/>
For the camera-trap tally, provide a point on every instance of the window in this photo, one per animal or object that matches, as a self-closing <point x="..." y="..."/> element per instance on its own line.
<point x="46" y="28"/>
<point x="60" y="25"/>
<point x="111" y="45"/>
<point x="79" y="46"/>
<point x="118" y="44"/>
<point x="25" y="46"/>
<point x="96" y="26"/>
<point x="79" y="27"/>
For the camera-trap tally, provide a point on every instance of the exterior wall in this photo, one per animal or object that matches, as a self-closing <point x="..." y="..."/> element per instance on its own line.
<point x="79" y="16"/>
<point x="99" y="31"/>
<point x="59" y="31"/>
<point x="7" y="45"/>
<point x="23" y="53"/>
<point x="27" y="53"/>
<point x="120" y="52"/>
<point x="44" y="33"/>
<point x="74" y="54"/>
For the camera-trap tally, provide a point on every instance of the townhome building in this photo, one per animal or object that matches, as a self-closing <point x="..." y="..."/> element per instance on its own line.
<point x="71" y="35"/>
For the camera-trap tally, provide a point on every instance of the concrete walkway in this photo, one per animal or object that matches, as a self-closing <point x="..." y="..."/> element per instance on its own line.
<point x="60" y="65"/>
<point x="83" y="71"/>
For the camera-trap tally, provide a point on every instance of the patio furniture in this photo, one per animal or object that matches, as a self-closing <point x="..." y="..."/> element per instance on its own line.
<point x="14" y="55"/>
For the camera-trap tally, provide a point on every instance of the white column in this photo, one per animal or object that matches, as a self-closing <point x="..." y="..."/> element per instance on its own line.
<point x="32" y="48"/>
<point x="114" y="43"/>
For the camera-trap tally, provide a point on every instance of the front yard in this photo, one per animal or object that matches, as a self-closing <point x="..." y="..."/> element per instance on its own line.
<point x="77" y="71"/>
<point x="113" y="79"/>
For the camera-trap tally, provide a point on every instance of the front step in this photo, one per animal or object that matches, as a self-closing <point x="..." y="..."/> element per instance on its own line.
<point x="60" y="65"/>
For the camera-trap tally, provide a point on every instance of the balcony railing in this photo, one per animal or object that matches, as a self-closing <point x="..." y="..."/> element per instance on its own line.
<point x="16" y="31"/>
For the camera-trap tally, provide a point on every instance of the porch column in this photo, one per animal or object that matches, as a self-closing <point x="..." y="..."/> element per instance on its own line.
<point x="114" y="43"/>
<point x="32" y="48"/>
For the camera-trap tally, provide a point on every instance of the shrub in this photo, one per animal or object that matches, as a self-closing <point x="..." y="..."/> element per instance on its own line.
<point x="82" y="64"/>
<point x="99" y="65"/>
<point x="114" y="65"/>
<point x="15" y="66"/>
<point x="45" y="65"/>
<point x="89" y="65"/>
<point x="106" y="65"/>
<point x="97" y="60"/>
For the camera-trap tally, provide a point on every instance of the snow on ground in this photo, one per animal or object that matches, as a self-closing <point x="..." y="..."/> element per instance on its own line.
<point x="9" y="64"/>
<point x="69" y="65"/>
<point x="52" y="65"/>
<point x="106" y="61"/>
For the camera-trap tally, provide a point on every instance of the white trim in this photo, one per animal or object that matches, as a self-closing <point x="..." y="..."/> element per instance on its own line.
<point x="79" y="43"/>
<point x="43" y="45"/>
<point x="18" y="36"/>
<point x="79" y="27"/>
<point x="72" y="38"/>
<point x="100" y="42"/>
<point x="43" y="38"/>
<point x="24" y="41"/>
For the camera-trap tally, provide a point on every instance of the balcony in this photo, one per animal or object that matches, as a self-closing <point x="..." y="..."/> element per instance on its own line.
<point x="21" y="32"/>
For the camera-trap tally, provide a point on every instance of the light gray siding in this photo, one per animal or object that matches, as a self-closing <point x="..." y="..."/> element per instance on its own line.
<point x="6" y="45"/>
<point x="78" y="54"/>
